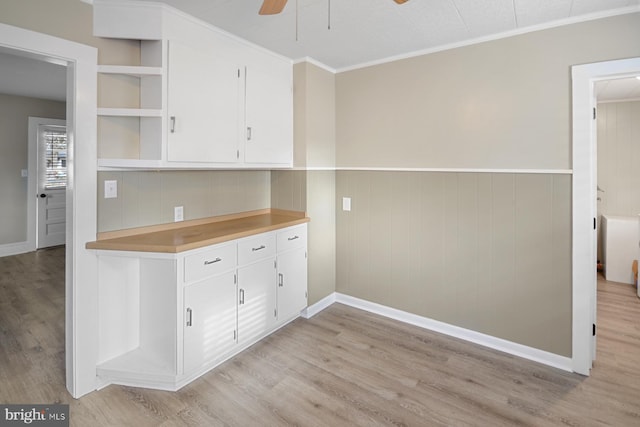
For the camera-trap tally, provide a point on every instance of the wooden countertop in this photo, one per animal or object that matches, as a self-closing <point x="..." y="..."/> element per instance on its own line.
<point x="187" y="235"/>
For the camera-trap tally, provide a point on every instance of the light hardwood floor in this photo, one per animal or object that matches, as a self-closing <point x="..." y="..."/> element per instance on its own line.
<point x="342" y="367"/>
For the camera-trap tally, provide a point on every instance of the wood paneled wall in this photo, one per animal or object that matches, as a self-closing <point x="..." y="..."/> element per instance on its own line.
<point x="148" y="198"/>
<point x="619" y="158"/>
<point x="314" y="193"/>
<point x="489" y="252"/>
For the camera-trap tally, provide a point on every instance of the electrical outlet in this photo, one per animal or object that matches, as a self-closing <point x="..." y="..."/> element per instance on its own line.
<point x="178" y="213"/>
<point x="346" y="203"/>
<point x="110" y="189"/>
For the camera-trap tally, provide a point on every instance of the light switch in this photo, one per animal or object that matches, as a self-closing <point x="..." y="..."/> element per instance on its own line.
<point x="110" y="189"/>
<point x="346" y="203"/>
<point x="24" y="173"/>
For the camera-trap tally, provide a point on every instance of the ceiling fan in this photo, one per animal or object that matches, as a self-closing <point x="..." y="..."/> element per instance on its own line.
<point x="273" y="7"/>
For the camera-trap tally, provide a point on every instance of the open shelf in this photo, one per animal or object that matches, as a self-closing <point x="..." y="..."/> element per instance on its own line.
<point x="130" y="70"/>
<point x="130" y="112"/>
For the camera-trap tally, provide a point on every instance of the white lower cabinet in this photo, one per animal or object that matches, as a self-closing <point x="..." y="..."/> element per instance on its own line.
<point x="166" y="319"/>
<point x="209" y="320"/>
<point x="292" y="271"/>
<point x="256" y="299"/>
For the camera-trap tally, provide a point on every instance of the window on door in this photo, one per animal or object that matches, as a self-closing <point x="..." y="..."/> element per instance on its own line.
<point x="55" y="157"/>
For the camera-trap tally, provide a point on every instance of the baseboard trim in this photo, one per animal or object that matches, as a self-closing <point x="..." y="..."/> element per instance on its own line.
<point x="316" y="308"/>
<point x="15" y="249"/>
<point x="509" y="347"/>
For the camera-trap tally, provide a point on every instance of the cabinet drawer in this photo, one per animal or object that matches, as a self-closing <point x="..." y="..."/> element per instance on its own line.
<point x="210" y="262"/>
<point x="294" y="237"/>
<point x="255" y="248"/>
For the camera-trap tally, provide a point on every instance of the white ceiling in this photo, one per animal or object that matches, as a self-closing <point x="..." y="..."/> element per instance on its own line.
<point x="24" y="76"/>
<point x="365" y="31"/>
<point x="362" y="31"/>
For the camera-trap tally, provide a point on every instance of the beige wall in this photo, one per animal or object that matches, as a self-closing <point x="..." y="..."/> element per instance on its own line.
<point x="313" y="191"/>
<point x="618" y="160"/>
<point x="500" y="104"/>
<point x="148" y="198"/>
<point x="70" y="20"/>
<point x="486" y="252"/>
<point x="14" y="136"/>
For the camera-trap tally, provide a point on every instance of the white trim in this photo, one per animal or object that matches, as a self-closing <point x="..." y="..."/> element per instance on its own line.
<point x="584" y="202"/>
<point x="80" y="266"/>
<point x="503" y="35"/>
<point x="509" y="347"/>
<point x="611" y="101"/>
<point x="315" y="62"/>
<point x="316" y="308"/>
<point x="448" y="170"/>
<point x="15" y="248"/>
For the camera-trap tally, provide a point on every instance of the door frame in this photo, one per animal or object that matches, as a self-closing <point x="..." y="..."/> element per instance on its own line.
<point x="81" y="302"/>
<point x="584" y="237"/>
<point x="32" y="179"/>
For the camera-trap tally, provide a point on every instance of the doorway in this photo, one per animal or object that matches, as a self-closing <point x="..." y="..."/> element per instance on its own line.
<point x="80" y="194"/>
<point x="584" y="198"/>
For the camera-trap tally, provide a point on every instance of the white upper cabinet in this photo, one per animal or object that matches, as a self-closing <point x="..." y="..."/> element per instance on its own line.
<point x="268" y="117"/>
<point x="207" y="99"/>
<point x="203" y="107"/>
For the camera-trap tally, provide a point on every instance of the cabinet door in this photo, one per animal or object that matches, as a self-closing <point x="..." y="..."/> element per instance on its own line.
<point x="292" y="283"/>
<point x="204" y="107"/>
<point x="210" y="320"/>
<point x="269" y="118"/>
<point x="256" y="299"/>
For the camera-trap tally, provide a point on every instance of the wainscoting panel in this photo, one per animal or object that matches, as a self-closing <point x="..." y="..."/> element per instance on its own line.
<point x="489" y="252"/>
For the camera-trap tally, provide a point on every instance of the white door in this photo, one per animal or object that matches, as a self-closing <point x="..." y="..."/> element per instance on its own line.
<point x="292" y="283"/>
<point x="204" y="102"/>
<point x="256" y="299"/>
<point x="52" y="183"/>
<point x="268" y="118"/>
<point x="210" y="320"/>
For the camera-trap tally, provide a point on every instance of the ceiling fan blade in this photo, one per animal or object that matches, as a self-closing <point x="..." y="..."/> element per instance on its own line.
<point x="400" y="1"/>
<point x="272" y="7"/>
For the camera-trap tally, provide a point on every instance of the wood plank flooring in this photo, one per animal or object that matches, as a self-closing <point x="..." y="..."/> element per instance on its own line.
<point x="343" y="367"/>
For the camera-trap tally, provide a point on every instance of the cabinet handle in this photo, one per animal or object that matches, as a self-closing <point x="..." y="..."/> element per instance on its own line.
<point x="248" y="133"/>
<point x="280" y="280"/>
<point x="173" y="124"/>
<point x="258" y="248"/>
<point x="189" y="317"/>
<point x="241" y="296"/>
<point x="212" y="262"/>
<point x="293" y="238"/>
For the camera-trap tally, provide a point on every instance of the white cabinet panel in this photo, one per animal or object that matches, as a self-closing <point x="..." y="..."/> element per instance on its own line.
<point x="269" y="118"/>
<point x="292" y="283"/>
<point x="210" y="262"/>
<point x="256" y="299"/>
<point x="203" y="106"/>
<point x="210" y="320"/>
<point x="253" y="249"/>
